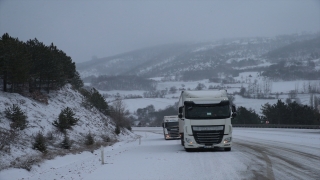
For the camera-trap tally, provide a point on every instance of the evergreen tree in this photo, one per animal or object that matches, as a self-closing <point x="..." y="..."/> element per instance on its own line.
<point x="14" y="63"/>
<point x="41" y="67"/>
<point x="37" y="51"/>
<point x="89" y="139"/>
<point x="66" y="143"/>
<point x="277" y="113"/>
<point x="316" y="102"/>
<point x="66" y="120"/>
<point x="17" y="116"/>
<point x="98" y="101"/>
<point x="245" y="116"/>
<point x="76" y="81"/>
<point x="40" y="143"/>
<point x="291" y="113"/>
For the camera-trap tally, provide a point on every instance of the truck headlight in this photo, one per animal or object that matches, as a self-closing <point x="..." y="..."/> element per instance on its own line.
<point x="227" y="140"/>
<point x="189" y="141"/>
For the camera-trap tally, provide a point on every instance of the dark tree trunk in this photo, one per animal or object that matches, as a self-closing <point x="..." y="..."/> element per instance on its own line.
<point x="5" y="81"/>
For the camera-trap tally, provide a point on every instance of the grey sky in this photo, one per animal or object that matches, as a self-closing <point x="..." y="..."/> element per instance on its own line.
<point x="102" y="28"/>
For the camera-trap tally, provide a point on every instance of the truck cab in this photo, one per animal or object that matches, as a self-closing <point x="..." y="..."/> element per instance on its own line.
<point x="205" y="120"/>
<point x="170" y="126"/>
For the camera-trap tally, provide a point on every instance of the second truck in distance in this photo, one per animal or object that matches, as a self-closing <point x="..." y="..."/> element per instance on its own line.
<point x="170" y="126"/>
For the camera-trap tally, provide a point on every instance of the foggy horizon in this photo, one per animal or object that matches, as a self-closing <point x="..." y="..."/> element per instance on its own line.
<point x="84" y="29"/>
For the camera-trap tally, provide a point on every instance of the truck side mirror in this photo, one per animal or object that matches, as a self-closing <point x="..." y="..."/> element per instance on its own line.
<point x="180" y="109"/>
<point x="234" y="114"/>
<point x="163" y="125"/>
<point x="233" y="108"/>
<point x="180" y="115"/>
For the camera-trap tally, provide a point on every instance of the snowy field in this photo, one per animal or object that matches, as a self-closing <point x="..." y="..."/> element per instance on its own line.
<point x="282" y="88"/>
<point x="256" y="154"/>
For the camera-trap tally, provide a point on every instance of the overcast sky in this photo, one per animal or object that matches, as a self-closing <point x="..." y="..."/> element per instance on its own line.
<point x="83" y="29"/>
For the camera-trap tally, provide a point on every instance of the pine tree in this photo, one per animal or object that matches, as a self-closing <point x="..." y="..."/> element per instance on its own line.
<point x="66" y="120"/>
<point x="40" y="143"/>
<point x="37" y="51"/>
<point x="17" y="116"/>
<point x="14" y="63"/>
<point x="76" y="81"/>
<point x="98" y="101"/>
<point x="66" y="143"/>
<point x="89" y="139"/>
<point x="245" y="116"/>
<point x="316" y="102"/>
<point x="41" y="66"/>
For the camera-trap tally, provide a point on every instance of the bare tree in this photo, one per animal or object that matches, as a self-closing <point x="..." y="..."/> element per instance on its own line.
<point x="267" y="86"/>
<point x="120" y="114"/>
<point x="292" y="94"/>
<point x="312" y="100"/>
<point x="296" y="87"/>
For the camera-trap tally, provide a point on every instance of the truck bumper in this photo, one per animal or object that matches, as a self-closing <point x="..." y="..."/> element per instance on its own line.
<point x="189" y="142"/>
<point x="170" y="136"/>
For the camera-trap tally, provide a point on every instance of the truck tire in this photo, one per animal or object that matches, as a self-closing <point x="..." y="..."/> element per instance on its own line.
<point x="227" y="149"/>
<point x="182" y="140"/>
<point x="188" y="149"/>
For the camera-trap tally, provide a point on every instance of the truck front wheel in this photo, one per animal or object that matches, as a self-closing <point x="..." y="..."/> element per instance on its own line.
<point x="182" y="140"/>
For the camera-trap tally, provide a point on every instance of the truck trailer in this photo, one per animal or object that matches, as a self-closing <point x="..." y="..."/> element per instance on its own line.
<point x="170" y="126"/>
<point x="205" y="120"/>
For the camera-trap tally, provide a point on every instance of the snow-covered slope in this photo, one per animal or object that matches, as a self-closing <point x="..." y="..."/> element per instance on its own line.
<point x="40" y="117"/>
<point x="176" y="59"/>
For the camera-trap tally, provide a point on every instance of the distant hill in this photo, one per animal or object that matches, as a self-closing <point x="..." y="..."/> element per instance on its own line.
<point x="226" y="56"/>
<point x="300" y="50"/>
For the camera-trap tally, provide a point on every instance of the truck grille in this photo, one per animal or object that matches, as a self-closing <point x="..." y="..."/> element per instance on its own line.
<point x="208" y="137"/>
<point x="173" y="132"/>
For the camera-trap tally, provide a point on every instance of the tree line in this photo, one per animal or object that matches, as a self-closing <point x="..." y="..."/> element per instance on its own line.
<point x="33" y="66"/>
<point x="292" y="70"/>
<point x="123" y="82"/>
<point x="279" y="113"/>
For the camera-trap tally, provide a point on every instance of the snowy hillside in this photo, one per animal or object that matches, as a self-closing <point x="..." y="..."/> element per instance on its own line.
<point x="40" y="117"/>
<point x="222" y="55"/>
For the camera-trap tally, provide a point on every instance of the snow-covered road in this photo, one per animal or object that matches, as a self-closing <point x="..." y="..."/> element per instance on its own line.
<point x="256" y="154"/>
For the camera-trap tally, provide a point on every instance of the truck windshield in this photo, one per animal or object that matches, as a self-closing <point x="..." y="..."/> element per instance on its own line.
<point x="171" y="124"/>
<point x="207" y="111"/>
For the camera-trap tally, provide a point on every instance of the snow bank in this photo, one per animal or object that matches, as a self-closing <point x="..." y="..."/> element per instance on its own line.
<point x="40" y="117"/>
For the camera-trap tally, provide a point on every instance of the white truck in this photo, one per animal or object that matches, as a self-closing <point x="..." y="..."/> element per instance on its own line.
<point x="170" y="126"/>
<point x="205" y="119"/>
